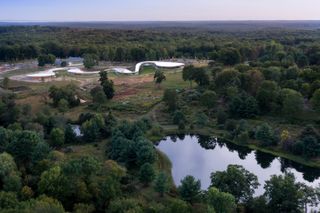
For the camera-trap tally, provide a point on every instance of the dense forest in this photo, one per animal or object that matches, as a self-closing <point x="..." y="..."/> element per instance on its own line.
<point x="275" y="45"/>
<point x="259" y="88"/>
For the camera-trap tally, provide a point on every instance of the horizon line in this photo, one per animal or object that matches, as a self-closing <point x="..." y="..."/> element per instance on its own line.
<point x="209" y="20"/>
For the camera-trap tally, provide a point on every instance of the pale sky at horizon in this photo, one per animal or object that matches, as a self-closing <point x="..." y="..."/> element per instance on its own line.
<point x="158" y="10"/>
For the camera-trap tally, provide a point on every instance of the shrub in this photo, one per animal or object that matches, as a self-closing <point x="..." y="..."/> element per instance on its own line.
<point x="243" y="137"/>
<point x="266" y="135"/>
<point x="231" y="125"/>
<point x="182" y="126"/>
<point x="178" y="117"/>
<point x="221" y="117"/>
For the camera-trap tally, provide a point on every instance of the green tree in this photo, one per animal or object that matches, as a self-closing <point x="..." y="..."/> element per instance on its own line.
<point x="46" y="59"/>
<point x="125" y="205"/>
<point x="310" y="196"/>
<point x="90" y="60"/>
<point x="229" y="56"/>
<point x="237" y="181"/>
<point x="83" y="167"/>
<point x="119" y="54"/>
<point x="251" y="81"/>
<point x="201" y="77"/>
<point x="45" y="204"/>
<point x="258" y="204"/>
<point x="221" y="202"/>
<point x="178" y="117"/>
<point x="243" y="106"/>
<point x="145" y="152"/>
<point x="170" y="97"/>
<point x="311" y="146"/>
<point x="188" y="73"/>
<point x="69" y="93"/>
<point x="83" y="208"/>
<point x="208" y="99"/>
<point x="159" y="77"/>
<point x="302" y="60"/>
<point x="9" y="175"/>
<point x="283" y="194"/>
<point x="138" y="54"/>
<point x="63" y="106"/>
<point x="41" y="152"/>
<point x="221" y="117"/>
<point x="266" y="135"/>
<point x="107" y="85"/>
<point x="190" y="189"/>
<point x="52" y="183"/>
<point x="315" y="100"/>
<point x="22" y="145"/>
<point x="91" y="129"/>
<point x="4" y="138"/>
<point x="272" y="73"/>
<point x="8" y="200"/>
<point x="57" y="137"/>
<point x="108" y="88"/>
<point x="177" y="206"/>
<point x="202" y="119"/>
<point x="292" y="103"/>
<point x="161" y="184"/>
<point x="103" y="77"/>
<point x="267" y="96"/>
<point x="98" y="95"/>
<point x="227" y="78"/>
<point x="146" y="173"/>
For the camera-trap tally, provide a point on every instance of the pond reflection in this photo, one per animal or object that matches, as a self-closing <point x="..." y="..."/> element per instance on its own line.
<point x="201" y="155"/>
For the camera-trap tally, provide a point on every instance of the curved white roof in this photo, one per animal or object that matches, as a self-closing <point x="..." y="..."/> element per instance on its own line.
<point x="75" y="70"/>
<point x="122" y="70"/>
<point x="52" y="72"/>
<point x="81" y="72"/>
<point x="47" y="73"/>
<point x="162" y="64"/>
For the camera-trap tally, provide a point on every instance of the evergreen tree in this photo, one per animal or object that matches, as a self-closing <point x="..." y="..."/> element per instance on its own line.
<point x="146" y="173"/>
<point x="161" y="184"/>
<point x="190" y="189"/>
<point x="57" y="137"/>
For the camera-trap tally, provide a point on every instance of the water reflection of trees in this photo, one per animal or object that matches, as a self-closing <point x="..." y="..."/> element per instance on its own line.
<point x="310" y="174"/>
<point x="242" y="151"/>
<point x="174" y="138"/>
<point x="264" y="159"/>
<point x="207" y="142"/>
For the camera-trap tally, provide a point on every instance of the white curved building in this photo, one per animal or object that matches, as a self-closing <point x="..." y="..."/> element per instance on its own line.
<point x="160" y="64"/>
<point x="52" y="73"/>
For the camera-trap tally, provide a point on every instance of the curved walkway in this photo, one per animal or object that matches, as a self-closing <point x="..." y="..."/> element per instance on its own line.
<point x="52" y="72"/>
<point x="161" y="64"/>
<point x="78" y="71"/>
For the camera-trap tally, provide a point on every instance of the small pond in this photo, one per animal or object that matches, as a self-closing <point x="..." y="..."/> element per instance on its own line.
<point x="199" y="156"/>
<point x="77" y="130"/>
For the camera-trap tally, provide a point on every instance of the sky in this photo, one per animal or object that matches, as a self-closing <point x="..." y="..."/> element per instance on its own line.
<point x="158" y="10"/>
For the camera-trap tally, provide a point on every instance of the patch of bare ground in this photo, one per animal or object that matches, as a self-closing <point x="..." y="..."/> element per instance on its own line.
<point x="130" y="80"/>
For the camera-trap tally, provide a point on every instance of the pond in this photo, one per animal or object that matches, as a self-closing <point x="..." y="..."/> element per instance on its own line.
<point x="77" y="130"/>
<point x="199" y="156"/>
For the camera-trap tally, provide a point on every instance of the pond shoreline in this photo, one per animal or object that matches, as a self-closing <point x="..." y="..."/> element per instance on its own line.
<point x="219" y="134"/>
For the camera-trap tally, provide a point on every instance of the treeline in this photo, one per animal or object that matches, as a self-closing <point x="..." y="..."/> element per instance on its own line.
<point x="230" y="98"/>
<point x="288" y="47"/>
